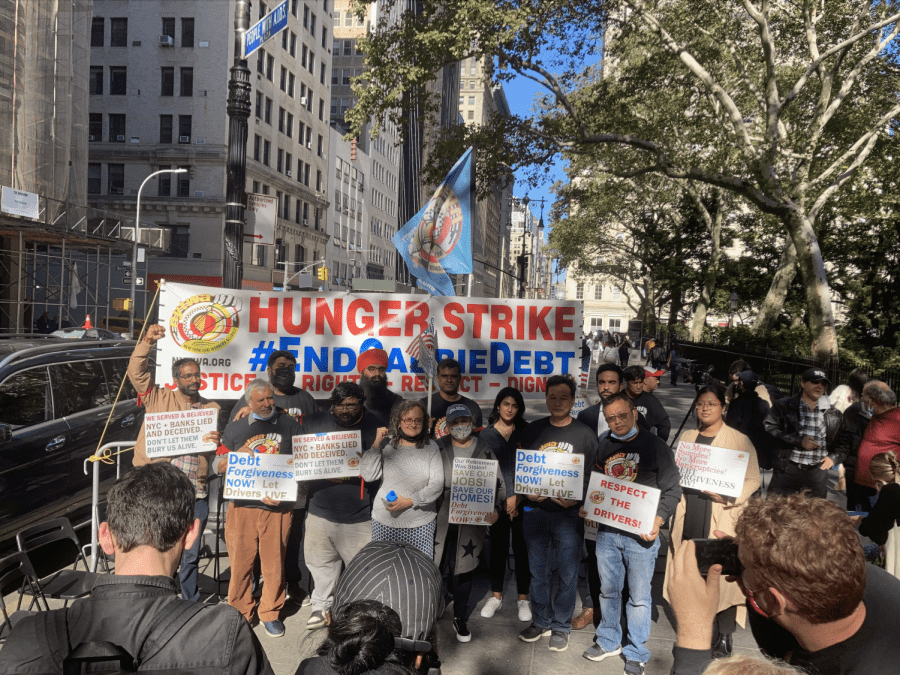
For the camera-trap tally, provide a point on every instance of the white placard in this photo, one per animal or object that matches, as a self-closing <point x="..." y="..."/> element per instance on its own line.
<point x="180" y="432"/>
<point x="590" y="530"/>
<point x="19" y="203"/>
<point x="621" y="504"/>
<point x="706" y="467"/>
<point x="473" y="490"/>
<point x="581" y="403"/>
<point x="255" y="476"/>
<point x="331" y="455"/>
<point x="261" y="215"/>
<point x="554" y="474"/>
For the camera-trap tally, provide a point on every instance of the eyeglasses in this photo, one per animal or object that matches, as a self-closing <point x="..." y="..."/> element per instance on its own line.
<point x="413" y="421"/>
<point x="347" y="406"/>
<point x="622" y="417"/>
<point x="707" y="406"/>
<point x="190" y="376"/>
<point x="750" y="595"/>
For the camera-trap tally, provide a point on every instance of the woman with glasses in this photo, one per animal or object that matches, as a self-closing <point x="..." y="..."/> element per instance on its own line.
<point x="699" y="514"/>
<point x="408" y="464"/>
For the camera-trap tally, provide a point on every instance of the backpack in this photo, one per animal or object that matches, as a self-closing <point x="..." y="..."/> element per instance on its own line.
<point x="657" y="353"/>
<point x="167" y="622"/>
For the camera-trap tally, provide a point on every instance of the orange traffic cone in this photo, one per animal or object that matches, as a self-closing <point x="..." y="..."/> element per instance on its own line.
<point x="87" y="322"/>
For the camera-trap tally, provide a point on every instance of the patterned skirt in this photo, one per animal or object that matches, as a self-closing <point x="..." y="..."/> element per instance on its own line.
<point x="421" y="537"/>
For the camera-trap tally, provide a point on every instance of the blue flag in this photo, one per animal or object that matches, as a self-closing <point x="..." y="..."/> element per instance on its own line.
<point x="438" y="239"/>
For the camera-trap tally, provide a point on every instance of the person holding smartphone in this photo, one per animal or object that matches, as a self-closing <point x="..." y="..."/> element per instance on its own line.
<point x="700" y="514"/>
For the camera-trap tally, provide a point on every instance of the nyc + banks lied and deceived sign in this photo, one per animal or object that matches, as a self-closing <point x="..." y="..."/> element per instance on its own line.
<point x="498" y="342"/>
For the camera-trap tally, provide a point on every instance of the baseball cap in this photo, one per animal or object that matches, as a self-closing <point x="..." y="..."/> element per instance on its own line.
<point x="653" y="373"/>
<point x="815" y="375"/>
<point x="457" y="410"/>
<point x="401" y="577"/>
<point x="748" y="378"/>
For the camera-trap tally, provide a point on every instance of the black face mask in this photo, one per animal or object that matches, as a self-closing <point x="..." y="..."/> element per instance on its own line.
<point x="407" y="437"/>
<point x="283" y="378"/>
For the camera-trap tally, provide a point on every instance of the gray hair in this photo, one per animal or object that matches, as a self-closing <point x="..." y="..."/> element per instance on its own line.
<point x="254" y="385"/>
<point x="879" y="391"/>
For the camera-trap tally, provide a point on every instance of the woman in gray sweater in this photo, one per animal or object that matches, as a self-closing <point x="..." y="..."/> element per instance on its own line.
<point x="408" y="464"/>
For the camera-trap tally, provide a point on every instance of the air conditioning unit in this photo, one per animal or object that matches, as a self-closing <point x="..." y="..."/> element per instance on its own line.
<point x="199" y="193"/>
<point x="303" y="100"/>
<point x="324" y="156"/>
<point x="309" y="145"/>
<point x="116" y="191"/>
<point x="305" y="221"/>
<point x="200" y="141"/>
<point x="120" y="137"/>
<point x="166" y="41"/>
<point x="184" y="139"/>
<point x="288" y="173"/>
<point x="91" y="138"/>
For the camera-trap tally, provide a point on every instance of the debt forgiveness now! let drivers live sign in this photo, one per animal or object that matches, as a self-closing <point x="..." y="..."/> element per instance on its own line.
<point x="621" y="504"/>
<point x="473" y="489"/>
<point x="180" y="432"/>
<point x="327" y="455"/>
<point x="551" y="474"/>
<point x="258" y="476"/>
<point x="712" y="469"/>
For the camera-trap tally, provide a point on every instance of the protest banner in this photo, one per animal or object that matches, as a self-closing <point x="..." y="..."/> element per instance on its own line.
<point x="706" y="467"/>
<point x="327" y="455"/>
<point x="621" y="504"/>
<point x="180" y="432"/>
<point x="555" y="474"/>
<point x="499" y="342"/>
<point x="257" y="475"/>
<point x="473" y="489"/>
<point x="582" y="403"/>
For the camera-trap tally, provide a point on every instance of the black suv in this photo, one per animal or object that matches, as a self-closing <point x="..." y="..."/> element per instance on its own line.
<point x="55" y="397"/>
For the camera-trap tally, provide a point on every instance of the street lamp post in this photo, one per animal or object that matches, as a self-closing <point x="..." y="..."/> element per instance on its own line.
<point x="733" y="300"/>
<point x="134" y="245"/>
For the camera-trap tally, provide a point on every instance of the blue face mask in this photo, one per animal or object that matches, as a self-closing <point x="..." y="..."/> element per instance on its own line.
<point x="630" y="434"/>
<point x="264" y="419"/>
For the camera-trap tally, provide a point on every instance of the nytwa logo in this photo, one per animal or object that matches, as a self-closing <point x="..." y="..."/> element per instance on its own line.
<point x="205" y="323"/>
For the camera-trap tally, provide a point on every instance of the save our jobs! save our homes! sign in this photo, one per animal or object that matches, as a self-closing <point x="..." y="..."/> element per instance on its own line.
<point x="473" y="488"/>
<point x="180" y="432"/>
<point x="551" y="474"/>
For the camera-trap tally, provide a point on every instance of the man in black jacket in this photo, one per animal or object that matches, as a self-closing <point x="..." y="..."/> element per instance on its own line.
<point x="150" y="522"/>
<point x="810" y="431"/>
<point x="746" y="413"/>
<point x="646" y="402"/>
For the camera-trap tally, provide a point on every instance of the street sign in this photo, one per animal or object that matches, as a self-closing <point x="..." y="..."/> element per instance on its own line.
<point x="127" y="281"/>
<point x="267" y="27"/>
<point x="121" y="268"/>
<point x="127" y="273"/>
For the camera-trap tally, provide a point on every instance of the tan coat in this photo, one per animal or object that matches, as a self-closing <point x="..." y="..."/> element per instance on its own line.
<point x="724" y="516"/>
<point x="160" y="399"/>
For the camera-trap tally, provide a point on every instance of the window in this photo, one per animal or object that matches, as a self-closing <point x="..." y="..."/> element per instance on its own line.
<point x="306" y="175"/>
<point x="267" y="148"/>
<point x="94" y="179"/>
<point x="286" y="211"/>
<point x="617" y="294"/>
<point x="471" y="115"/>
<point x="257" y="146"/>
<point x="348" y="47"/>
<point x="337" y="18"/>
<point x="187" y="82"/>
<point x="615" y="324"/>
<point x="115" y="176"/>
<point x="290" y="125"/>
<point x="281" y="119"/>
<point x="282" y="82"/>
<point x="348" y="19"/>
<point x="259" y="100"/>
<point x="168" y="27"/>
<point x="165" y="183"/>
<point x="117" y="128"/>
<point x="288" y="162"/>
<point x="299" y="254"/>
<point x="95" y="84"/>
<point x="598" y="291"/>
<point x="270" y="67"/>
<point x="118" y="32"/>
<point x="179" y="242"/>
<point x="297" y="212"/>
<point x="321" y="110"/>
<point x="312" y="25"/>
<point x="268" y="116"/>
<point x="293" y="50"/>
<point x="324" y="37"/>
<point x="95" y="127"/>
<point x="184" y="181"/>
<point x="596" y="323"/>
<point x="279" y="160"/>
<point x="184" y="128"/>
<point x="294" y="8"/>
<point x="346" y="74"/>
<point x="259" y="256"/>
<point x="98" y="31"/>
<point x="165" y="128"/>
<point x="284" y="40"/>
<point x="304" y="53"/>
<point x="579" y="291"/>
<point x="260" y="62"/>
<point x="118" y="80"/>
<point x="187" y="33"/>
<point x="291" y="82"/>
<point x="318" y="181"/>
<point x="26" y="398"/>
<point x="322" y="73"/>
<point x="262" y="10"/>
<point x="471" y="100"/>
<point x="166" y="81"/>
<point x="359" y="52"/>
<point x="319" y="146"/>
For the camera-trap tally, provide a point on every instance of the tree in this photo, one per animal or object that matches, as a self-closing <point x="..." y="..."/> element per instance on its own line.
<point x="778" y="103"/>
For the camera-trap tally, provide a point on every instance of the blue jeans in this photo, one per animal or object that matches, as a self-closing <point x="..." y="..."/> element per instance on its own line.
<point x="619" y="554"/>
<point x="188" y="570"/>
<point x="554" y="545"/>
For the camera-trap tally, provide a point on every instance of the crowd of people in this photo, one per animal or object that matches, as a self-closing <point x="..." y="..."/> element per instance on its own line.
<point x="385" y="558"/>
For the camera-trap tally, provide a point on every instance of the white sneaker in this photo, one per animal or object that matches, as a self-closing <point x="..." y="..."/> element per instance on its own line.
<point x="524" y="610"/>
<point x="491" y="606"/>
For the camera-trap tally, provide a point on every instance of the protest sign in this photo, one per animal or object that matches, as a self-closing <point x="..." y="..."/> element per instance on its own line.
<point x="621" y="504"/>
<point x="590" y="530"/>
<point x="555" y="474"/>
<point x="180" y="432"/>
<point x="499" y="342"/>
<point x="706" y="467"/>
<point x="473" y="489"/>
<point x="582" y="403"/>
<point x="257" y="475"/>
<point x="327" y="455"/>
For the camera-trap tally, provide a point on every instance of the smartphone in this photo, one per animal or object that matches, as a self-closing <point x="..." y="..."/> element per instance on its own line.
<point x="722" y="552"/>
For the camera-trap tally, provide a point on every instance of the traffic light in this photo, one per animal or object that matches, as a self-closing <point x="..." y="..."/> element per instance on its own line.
<point x="322" y="274"/>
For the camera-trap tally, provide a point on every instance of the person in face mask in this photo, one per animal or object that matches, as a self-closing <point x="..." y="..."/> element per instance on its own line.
<point x="281" y="369"/>
<point x="340" y="509"/>
<point x="259" y="527"/>
<point x="458" y="547"/>
<point x="632" y="454"/>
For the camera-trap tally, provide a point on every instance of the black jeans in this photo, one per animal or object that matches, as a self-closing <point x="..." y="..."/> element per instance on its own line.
<point x="793" y="479"/>
<point x="500" y="533"/>
<point x="459" y="585"/>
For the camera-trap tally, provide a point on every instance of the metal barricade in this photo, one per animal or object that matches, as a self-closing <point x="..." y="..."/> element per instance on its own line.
<point x="105" y="452"/>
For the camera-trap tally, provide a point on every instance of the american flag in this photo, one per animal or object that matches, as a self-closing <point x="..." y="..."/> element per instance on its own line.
<point x="426" y="340"/>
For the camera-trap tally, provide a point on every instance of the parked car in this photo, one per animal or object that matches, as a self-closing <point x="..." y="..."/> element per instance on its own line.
<point x="55" y="397"/>
<point x="86" y="334"/>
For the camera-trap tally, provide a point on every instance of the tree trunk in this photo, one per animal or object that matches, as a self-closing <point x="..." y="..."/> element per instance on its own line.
<point x="778" y="289"/>
<point x="818" y="291"/>
<point x="677" y="303"/>
<point x="649" y="306"/>
<point x="712" y="270"/>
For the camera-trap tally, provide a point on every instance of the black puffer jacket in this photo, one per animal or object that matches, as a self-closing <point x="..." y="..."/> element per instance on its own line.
<point x="783" y="423"/>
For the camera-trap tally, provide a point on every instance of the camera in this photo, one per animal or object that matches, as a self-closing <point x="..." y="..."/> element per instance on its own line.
<point x="722" y="552"/>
